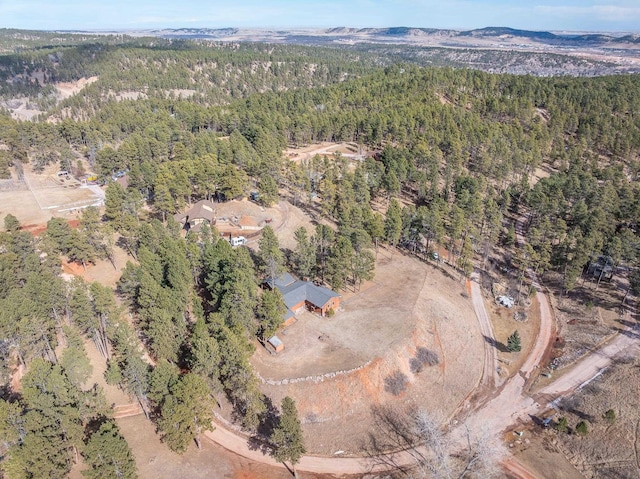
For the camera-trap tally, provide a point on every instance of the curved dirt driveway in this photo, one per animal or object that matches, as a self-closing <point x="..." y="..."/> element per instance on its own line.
<point x="547" y="323"/>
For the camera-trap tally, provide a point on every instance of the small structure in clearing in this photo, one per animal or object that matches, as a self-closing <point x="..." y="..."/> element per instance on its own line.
<point x="276" y="344"/>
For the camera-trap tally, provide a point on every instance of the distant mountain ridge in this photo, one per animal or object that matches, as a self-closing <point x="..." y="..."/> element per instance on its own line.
<point x="400" y="34"/>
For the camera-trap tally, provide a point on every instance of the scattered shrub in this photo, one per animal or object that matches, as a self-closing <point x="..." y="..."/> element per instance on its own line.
<point x="610" y="416"/>
<point x="395" y="383"/>
<point x="561" y="426"/>
<point x="582" y="428"/>
<point x="423" y="357"/>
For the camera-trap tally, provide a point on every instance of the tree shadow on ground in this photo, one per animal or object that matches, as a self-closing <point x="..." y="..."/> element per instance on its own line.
<point x="257" y="443"/>
<point x="496" y="344"/>
<point x="632" y="328"/>
<point x="626" y="332"/>
<point x="571" y="405"/>
<point x="629" y="324"/>
<point x="269" y="419"/>
<point x="392" y="432"/>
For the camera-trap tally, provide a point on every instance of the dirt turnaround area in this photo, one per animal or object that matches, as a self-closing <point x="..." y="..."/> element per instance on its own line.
<point x="338" y="368"/>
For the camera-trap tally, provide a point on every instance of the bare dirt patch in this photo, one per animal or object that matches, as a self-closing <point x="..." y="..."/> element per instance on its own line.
<point x="540" y="172"/>
<point x="444" y="100"/>
<point x="21" y="108"/>
<point x="410" y="306"/>
<point x="67" y="89"/>
<point x="505" y="323"/>
<point x="246" y="218"/>
<point x="103" y="271"/>
<point x="45" y="195"/>
<point x="540" y="456"/>
<point x="23" y="205"/>
<point x="586" y="316"/>
<point x="127" y="95"/>
<point x="292" y="219"/>
<point x="182" y="93"/>
<point x="326" y="148"/>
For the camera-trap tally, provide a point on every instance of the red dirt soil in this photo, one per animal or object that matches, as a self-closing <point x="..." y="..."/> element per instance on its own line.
<point x="74" y="268"/>
<point x="37" y="230"/>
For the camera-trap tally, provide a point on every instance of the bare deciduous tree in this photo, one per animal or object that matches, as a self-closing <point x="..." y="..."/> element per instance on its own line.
<point x="415" y="444"/>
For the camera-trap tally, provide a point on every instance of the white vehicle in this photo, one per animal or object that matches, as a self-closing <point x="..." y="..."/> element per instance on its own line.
<point x="238" y="241"/>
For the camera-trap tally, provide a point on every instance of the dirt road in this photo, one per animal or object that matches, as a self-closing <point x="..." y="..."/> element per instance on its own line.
<point x="490" y="376"/>
<point x="547" y="323"/>
<point x="592" y="365"/>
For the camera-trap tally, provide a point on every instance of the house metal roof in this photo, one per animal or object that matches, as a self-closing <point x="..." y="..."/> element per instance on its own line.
<point x="283" y="281"/>
<point x="295" y="291"/>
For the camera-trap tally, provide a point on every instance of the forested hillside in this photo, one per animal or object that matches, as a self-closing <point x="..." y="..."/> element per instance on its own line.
<point x="456" y="151"/>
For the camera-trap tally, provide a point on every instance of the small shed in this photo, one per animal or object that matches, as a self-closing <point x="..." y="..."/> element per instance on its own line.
<point x="275" y="343"/>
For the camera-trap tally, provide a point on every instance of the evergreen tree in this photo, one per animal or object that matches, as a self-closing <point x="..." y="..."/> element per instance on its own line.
<point x="186" y="412"/>
<point x="74" y="359"/>
<point x="340" y="262"/>
<point x="11" y="223"/>
<point x="304" y="257"/>
<point x="562" y="424"/>
<point x="323" y="241"/>
<point x="11" y="423"/>
<point x="271" y="257"/>
<point x="287" y="437"/>
<point x="204" y="357"/>
<point x="108" y="455"/>
<point x="114" y="203"/>
<point x="105" y="313"/>
<point x="53" y="424"/>
<point x="270" y="313"/>
<point x="268" y="190"/>
<point x="162" y="380"/>
<point x="582" y="428"/>
<point x="513" y="342"/>
<point x="393" y="223"/>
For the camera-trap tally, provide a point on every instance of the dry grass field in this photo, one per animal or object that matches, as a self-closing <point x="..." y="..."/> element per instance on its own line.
<point x="410" y="306"/>
<point x="45" y="195"/>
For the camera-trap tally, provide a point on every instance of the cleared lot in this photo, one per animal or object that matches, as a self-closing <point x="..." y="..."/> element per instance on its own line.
<point x="43" y="196"/>
<point x="410" y="305"/>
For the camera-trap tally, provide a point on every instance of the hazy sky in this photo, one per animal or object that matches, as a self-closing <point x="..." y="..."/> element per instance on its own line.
<point x="610" y="15"/>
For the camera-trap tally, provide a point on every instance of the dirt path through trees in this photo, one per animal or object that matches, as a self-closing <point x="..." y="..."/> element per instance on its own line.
<point x="490" y="376"/>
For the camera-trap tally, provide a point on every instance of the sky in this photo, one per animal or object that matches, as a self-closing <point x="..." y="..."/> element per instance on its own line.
<point x="571" y="15"/>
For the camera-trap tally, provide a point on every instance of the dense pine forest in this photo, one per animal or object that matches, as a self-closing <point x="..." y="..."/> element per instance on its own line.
<point x="456" y="153"/>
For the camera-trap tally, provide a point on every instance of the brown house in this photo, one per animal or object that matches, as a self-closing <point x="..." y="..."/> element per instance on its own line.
<point x="304" y="294"/>
<point x="204" y="211"/>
